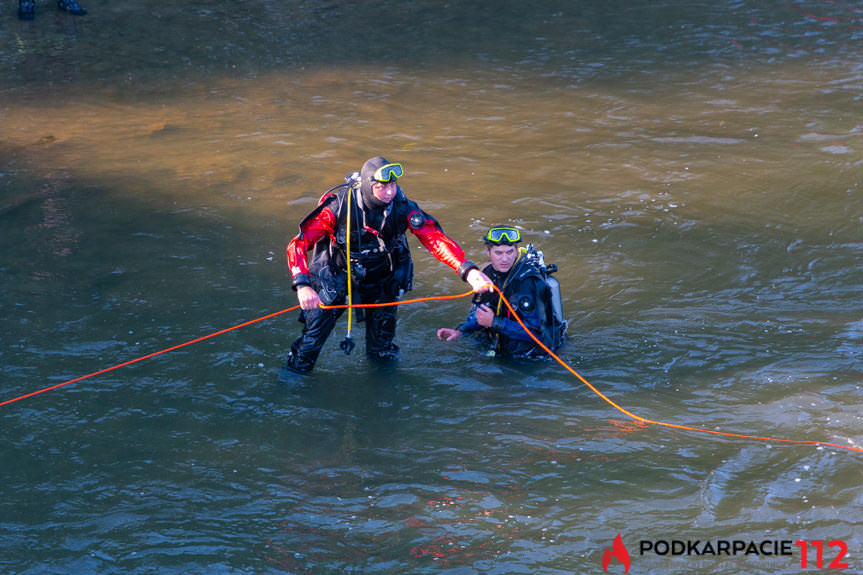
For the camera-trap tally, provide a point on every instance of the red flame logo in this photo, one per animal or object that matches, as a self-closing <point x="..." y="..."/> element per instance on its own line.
<point x="619" y="552"/>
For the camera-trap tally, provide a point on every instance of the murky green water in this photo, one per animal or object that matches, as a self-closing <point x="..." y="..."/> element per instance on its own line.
<point x="693" y="168"/>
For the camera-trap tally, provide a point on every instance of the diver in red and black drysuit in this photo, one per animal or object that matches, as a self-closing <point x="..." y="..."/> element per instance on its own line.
<point x="380" y="260"/>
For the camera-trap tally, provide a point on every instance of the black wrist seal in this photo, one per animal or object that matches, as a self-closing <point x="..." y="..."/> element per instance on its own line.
<point x="300" y="280"/>
<point x="465" y="268"/>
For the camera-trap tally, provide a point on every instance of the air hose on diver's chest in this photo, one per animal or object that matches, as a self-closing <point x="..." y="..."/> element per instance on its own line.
<point x="353" y="181"/>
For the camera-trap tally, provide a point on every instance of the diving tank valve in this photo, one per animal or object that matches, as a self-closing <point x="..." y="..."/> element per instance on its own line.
<point x="354" y="180"/>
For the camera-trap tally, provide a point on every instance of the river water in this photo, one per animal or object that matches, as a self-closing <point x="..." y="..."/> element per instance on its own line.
<point x="693" y="168"/>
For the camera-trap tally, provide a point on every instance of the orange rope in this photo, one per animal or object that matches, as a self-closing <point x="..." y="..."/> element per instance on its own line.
<point x="403" y="302"/>
<point x="214" y="334"/>
<point x="434" y="298"/>
<point x="650" y="421"/>
<point x="148" y="356"/>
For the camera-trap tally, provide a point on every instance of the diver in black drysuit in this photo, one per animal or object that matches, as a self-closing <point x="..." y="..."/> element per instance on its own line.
<point x="526" y="282"/>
